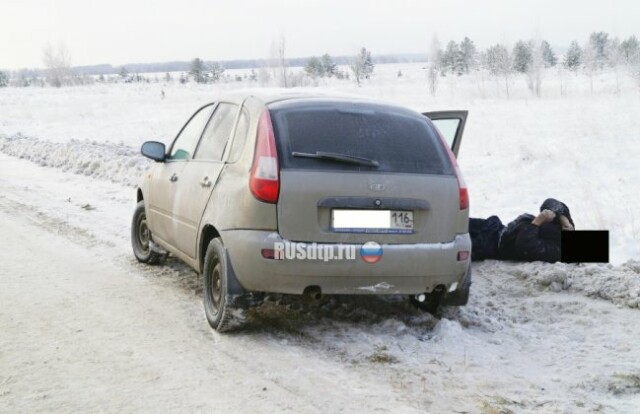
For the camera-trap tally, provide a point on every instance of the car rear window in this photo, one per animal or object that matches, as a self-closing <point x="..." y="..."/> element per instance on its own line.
<point x="398" y="140"/>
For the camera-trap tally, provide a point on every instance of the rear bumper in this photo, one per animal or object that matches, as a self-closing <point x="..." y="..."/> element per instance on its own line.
<point x="402" y="269"/>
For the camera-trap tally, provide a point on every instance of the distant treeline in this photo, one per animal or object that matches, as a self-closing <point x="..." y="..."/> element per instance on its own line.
<point x="185" y="66"/>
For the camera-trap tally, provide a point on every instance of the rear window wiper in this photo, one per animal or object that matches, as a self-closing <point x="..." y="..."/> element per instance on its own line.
<point x="352" y="159"/>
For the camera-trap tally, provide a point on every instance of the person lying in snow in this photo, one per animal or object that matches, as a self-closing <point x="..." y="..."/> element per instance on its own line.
<point x="527" y="238"/>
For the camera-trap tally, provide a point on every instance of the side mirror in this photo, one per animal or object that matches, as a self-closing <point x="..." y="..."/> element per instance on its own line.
<point x="154" y="150"/>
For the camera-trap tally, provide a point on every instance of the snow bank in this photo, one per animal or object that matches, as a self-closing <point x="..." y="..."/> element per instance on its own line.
<point x="617" y="284"/>
<point x="114" y="162"/>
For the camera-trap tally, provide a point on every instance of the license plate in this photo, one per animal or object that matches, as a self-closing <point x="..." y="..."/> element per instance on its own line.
<point x="372" y="221"/>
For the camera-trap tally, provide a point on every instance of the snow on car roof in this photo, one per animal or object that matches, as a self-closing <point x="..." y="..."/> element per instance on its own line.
<point x="269" y="95"/>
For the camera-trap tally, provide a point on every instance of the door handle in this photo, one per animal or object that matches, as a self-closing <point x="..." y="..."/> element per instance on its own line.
<point x="205" y="182"/>
<point x="174" y="178"/>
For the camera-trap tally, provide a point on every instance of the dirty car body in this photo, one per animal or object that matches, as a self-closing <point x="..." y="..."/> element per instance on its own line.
<point x="259" y="170"/>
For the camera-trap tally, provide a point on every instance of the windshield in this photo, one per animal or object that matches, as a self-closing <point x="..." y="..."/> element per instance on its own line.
<point x="397" y="140"/>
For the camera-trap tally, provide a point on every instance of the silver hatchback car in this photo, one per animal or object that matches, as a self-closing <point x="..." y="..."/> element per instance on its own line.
<point x="309" y="194"/>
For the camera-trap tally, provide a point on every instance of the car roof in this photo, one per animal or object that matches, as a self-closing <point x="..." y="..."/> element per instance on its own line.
<point x="270" y="95"/>
<point x="282" y="95"/>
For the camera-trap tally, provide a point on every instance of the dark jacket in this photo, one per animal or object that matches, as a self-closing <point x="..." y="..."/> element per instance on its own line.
<point x="520" y="240"/>
<point x="485" y="234"/>
<point x="524" y="241"/>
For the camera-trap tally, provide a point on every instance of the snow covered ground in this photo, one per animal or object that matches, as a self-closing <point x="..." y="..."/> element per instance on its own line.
<point x="86" y="328"/>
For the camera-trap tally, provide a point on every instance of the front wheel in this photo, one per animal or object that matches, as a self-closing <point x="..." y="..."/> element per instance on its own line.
<point x="219" y="306"/>
<point x="141" y="237"/>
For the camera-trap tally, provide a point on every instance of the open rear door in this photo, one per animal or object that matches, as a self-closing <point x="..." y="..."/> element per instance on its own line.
<point x="451" y="124"/>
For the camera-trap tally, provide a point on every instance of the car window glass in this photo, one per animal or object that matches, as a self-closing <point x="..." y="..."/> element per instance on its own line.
<point x="448" y="128"/>
<point x="217" y="132"/>
<point x="399" y="141"/>
<point x="185" y="144"/>
<point x="240" y="136"/>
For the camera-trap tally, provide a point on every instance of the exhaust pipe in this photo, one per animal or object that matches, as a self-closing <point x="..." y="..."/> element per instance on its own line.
<point x="313" y="293"/>
<point x="437" y="291"/>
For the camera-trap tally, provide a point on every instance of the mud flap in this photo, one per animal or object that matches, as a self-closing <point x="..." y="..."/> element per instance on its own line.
<point x="237" y="296"/>
<point x="234" y="288"/>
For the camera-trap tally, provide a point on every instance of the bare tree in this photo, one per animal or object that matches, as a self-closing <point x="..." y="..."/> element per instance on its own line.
<point x="562" y="76"/>
<point x="480" y="76"/>
<point x="435" y="51"/>
<point x="263" y="76"/>
<point x="271" y="64"/>
<point x="58" y="65"/>
<point x="435" y="55"/>
<point x="635" y="71"/>
<point x="615" y="58"/>
<point x="630" y="54"/>
<point x="591" y="63"/>
<point x="276" y="63"/>
<point x="282" y="61"/>
<point x="433" y="76"/>
<point x="216" y="70"/>
<point x="536" y="67"/>
<point x="499" y="63"/>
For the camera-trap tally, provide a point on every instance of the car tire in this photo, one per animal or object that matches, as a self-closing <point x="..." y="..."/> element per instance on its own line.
<point x="141" y="237"/>
<point x="219" y="306"/>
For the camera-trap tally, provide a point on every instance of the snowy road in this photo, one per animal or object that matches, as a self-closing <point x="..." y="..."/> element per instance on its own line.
<point x="86" y="328"/>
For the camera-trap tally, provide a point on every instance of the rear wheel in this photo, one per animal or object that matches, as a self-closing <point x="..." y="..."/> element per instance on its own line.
<point x="141" y="237"/>
<point x="219" y="306"/>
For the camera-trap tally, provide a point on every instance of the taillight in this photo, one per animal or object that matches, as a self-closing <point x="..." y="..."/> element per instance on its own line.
<point x="462" y="186"/>
<point x="464" y="192"/>
<point x="265" y="173"/>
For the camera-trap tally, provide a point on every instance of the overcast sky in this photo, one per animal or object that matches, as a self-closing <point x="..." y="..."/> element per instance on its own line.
<point x="119" y="31"/>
